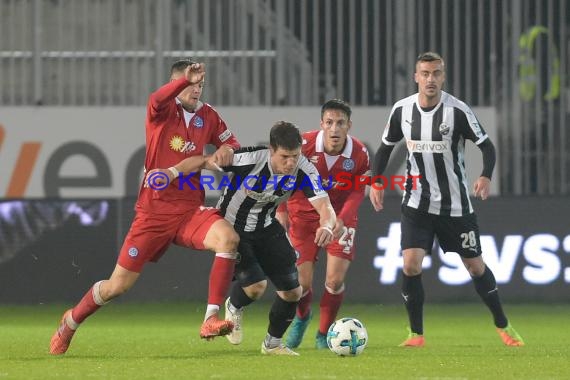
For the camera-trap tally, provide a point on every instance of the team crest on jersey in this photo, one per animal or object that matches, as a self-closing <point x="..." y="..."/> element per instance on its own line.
<point x="178" y="144"/>
<point x="348" y="164"/>
<point x="314" y="159"/>
<point x="133" y="252"/>
<point x="198" y="121"/>
<point x="443" y="129"/>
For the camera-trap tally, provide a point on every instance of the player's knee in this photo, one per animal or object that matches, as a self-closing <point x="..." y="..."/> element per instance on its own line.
<point x="412" y="270"/>
<point x="292" y="295"/>
<point x="476" y="271"/>
<point x="475" y="267"/>
<point x="228" y="241"/>
<point x="256" y="290"/>
<point x="305" y="287"/>
<point x="334" y="286"/>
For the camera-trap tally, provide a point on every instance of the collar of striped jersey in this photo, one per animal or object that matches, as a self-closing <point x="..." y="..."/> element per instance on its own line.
<point x="320" y="145"/>
<point x="442" y="100"/>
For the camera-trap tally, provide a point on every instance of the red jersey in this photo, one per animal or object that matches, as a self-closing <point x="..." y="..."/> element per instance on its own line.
<point x="169" y="140"/>
<point x="351" y="163"/>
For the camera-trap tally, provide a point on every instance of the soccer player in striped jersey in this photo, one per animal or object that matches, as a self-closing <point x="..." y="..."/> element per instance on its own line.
<point x="262" y="179"/>
<point x="435" y="126"/>
<point x="334" y="153"/>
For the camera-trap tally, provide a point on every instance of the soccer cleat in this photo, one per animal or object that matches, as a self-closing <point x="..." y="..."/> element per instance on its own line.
<point x="62" y="337"/>
<point x="236" y="335"/>
<point x="321" y="341"/>
<point x="414" y="340"/>
<point x="279" y="350"/>
<point x="297" y="330"/>
<point x="213" y="327"/>
<point x="510" y="337"/>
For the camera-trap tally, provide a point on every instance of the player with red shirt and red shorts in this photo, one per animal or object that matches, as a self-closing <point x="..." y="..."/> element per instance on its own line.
<point x="334" y="153"/>
<point x="178" y="126"/>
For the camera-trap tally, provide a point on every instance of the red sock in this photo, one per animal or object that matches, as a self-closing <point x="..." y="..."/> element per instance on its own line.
<point x="304" y="306"/>
<point x="220" y="279"/>
<point x="330" y="304"/>
<point x="85" y="307"/>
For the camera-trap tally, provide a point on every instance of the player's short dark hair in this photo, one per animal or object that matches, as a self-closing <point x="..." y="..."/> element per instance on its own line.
<point x="429" y="56"/>
<point x="285" y="135"/>
<point x="336" y="104"/>
<point x="180" y="65"/>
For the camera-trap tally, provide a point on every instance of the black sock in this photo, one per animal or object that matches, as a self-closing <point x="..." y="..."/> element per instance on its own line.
<point x="413" y="294"/>
<point x="238" y="298"/>
<point x="486" y="286"/>
<point x="280" y="316"/>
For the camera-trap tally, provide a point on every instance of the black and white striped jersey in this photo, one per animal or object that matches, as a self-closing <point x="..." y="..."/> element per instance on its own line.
<point x="253" y="192"/>
<point x="436" y="146"/>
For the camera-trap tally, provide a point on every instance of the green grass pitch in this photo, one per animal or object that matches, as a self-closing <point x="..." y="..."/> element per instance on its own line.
<point x="160" y="341"/>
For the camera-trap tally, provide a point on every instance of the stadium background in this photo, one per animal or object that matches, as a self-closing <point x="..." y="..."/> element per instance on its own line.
<point x="69" y="68"/>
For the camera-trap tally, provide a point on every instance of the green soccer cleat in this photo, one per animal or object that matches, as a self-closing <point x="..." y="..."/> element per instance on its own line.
<point x="321" y="341"/>
<point x="297" y="330"/>
<point x="510" y="336"/>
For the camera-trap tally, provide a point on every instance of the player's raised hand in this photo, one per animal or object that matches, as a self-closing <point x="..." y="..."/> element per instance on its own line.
<point x="377" y="198"/>
<point x="482" y="187"/>
<point x="195" y="73"/>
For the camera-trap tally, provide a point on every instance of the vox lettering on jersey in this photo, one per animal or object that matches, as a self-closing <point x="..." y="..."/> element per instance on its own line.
<point x="262" y="197"/>
<point x="420" y="146"/>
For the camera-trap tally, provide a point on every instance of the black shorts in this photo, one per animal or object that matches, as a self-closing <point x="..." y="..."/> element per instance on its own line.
<point x="267" y="253"/>
<point x="458" y="234"/>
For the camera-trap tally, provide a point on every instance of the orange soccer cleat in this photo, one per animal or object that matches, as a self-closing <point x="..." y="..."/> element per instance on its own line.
<point x="213" y="327"/>
<point x="510" y="337"/>
<point x="414" y="340"/>
<point x="62" y="337"/>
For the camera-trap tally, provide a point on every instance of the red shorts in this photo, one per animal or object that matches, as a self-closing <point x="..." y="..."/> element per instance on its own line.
<point x="151" y="234"/>
<point x="302" y="236"/>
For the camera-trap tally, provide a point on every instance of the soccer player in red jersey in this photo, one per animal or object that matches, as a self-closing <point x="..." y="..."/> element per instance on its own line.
<point x="334" y="153"/>
<point x="178" y="126"/>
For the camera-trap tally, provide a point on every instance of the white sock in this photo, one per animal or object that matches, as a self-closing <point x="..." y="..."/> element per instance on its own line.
<point x="97" y="294"/>
<point x="211" y="310"/>
<point x="70" y="322"/>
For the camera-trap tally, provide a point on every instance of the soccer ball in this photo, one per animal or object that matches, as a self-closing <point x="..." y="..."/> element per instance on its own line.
<point x="347" y="337"/>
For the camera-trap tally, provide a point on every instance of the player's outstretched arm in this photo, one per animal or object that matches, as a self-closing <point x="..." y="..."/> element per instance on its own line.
<point x="186" y="166"/>
<point x="223" y="156"/>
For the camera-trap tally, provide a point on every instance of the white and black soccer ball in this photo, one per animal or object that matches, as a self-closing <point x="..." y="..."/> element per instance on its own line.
<point x="347" y="337"/>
